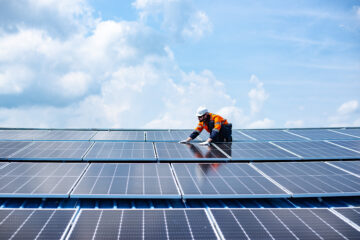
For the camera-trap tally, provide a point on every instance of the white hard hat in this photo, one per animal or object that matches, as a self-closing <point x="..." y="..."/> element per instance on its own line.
<point x="201" y="111"/>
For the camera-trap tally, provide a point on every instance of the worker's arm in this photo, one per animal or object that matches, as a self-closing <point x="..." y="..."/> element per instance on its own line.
<point x="194" y="134"/>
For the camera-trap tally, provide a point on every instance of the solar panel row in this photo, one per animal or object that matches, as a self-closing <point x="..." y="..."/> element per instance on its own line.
<point x="188" y="181"/>
<point x="177" y="135"/>
<point x="178" y="224"/>
<point x="170" y="151"/>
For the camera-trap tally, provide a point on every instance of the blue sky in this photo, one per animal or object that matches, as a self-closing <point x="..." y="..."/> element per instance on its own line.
<point x="151" y="63"/>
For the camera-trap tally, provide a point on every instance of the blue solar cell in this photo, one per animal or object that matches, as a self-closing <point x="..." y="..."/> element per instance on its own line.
<point x="318" y="150"/>
<point x="35" y="180"/>
<point x="143" y="224"/>
<point x="353" y="214"/>
<point x="9" y="148"/>
<point x="321" y="134"/>
<point x="312" y="179"/>
<point x="53" y="151"/>
<point x="34" y="223"/>
<point x="167" y="151"/>
<point x="22" y="134"/>
<point x="255" y="151"/>
<point x="129" y="136"/>
<point x="167" y="136"/>
<point x="351" y="131"/>
<point x="231" y="180"/>
<point x="351" y="166"/>
<point x="271" y="135"/>
<point x="121" y="180"/>
<point x="121" y="151"/>
<point x="67" y="135"/>
<point x="282" y="224"/>
<point x="354" y="145"/>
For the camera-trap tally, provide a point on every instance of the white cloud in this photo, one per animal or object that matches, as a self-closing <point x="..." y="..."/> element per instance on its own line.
<point x="178" y="17"/>
<point x="74" y="84"/>
<point x="294" y="123"/>
<point x="14" y="79"/>
<point x="347" y="114"/>
<point x="111" y="74"/>
<point x="257" y="95"/>
<point x="348" y="107"/>
<point x="265" y="123"/>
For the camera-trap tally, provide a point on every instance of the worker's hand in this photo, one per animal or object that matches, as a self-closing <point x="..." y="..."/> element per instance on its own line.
<point x="184" y="141"/>
<point x="206" y="143"/>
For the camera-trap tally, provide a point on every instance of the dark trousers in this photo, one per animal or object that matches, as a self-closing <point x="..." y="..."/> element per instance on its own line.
<point x="224" y="134"/>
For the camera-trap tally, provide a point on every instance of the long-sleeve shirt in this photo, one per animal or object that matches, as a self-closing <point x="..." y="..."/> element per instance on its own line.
<point x="213" y="126"/>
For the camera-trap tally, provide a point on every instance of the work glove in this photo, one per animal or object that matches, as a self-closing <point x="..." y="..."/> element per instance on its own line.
<point x="184" y="141"/>
<point x="206" y="143"/>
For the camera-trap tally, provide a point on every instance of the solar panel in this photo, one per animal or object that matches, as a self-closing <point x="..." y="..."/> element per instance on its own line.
<point x="353" y="214"/>
<point x="321" y="134"/>
<point x="143" y="224"/>
<point x="351" y="166"/>
<point x="167" y="151"/>
<point x="271" y="135"/>
<point x="121" y="180"/>
<point x="9" y="148"/>
<point x="354" y="145"/>
<point x="3" y="164"/>
<point x="121" y="151"/>
<point x="318" y="150"/>
<point x="236" y="136"/>
<point x="68" y="135"/>
<point x="167" y="136"/>
<point x="35" y="180"/>
<point x="53" y="151"/>
<point x="312" y="179"/>
<point x="282" y="224"/>
<point x="351" y="131"/>
<point x="130" y="136"/>
<point x="21" y="134"/>
<point x="231" y="180"/>
<point x="255" y="151"/>
<point x="34" y="223"/>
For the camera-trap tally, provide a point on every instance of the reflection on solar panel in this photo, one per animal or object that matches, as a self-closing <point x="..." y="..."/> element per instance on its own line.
<point x="34" y="224"/>
<point x="22" y="134"/>
<point x="68" y="135"/>
<point x="52" y="180"/>
<point x="187" y="152"/>
<point x="120" y="180"/>
<point x="231" y="180"/>
<point x="9" y="148"/>
<point x="236" y="136"/>
<point x="121" y="151"/>
<point x="143" y="224"/>
<point x="282" y="224"/>
<point x="120" y="136"/>
<point x="321" y="134"/>
<point x="318" y="150"/>
<point x="255" y="151"/>
<point x="352" y="214"/>
<point x="271" y="135"/>
<point x="312" y="179"/>
<point x="351" y="166"/>
<point x="354" y="145"/>
<point x="3" y="164"/>
<point x="351" y="131"/>
<point x="167" y="136"/>
<point x="53" y="151"/>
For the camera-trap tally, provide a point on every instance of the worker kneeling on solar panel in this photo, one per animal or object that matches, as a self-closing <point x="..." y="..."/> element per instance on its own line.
<point x="218" y="127"/>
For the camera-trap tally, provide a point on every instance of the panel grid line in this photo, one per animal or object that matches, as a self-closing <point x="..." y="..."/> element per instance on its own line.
<point x="342" y="169"/>
<point x="292" y="212"/>
<point x="341" y="146"/>
<point x="345" y="219"/>
<point x="46" y="223"/>
<point x="299" y="156"/>
<point x="267" y="231"/>
<point x="328" y="224"/>
<point x="292" y="233"/>
<point x="18" y="229"/>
